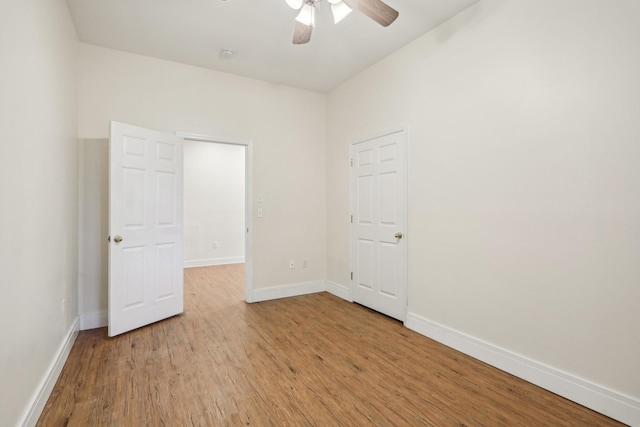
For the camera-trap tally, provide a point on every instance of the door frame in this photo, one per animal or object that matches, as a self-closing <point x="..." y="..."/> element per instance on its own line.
<point x="248" y="203"/>
<point x="352" y="229"/>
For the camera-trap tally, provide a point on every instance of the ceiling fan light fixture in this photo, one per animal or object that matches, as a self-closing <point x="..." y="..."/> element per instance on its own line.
<point x="294" y="4"/>
<point x="307" y="15"/>
<point x="340" y="11"/>
<point x="377" y="10"/>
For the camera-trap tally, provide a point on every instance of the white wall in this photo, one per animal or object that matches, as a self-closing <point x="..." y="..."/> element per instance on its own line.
<point x="524" y="183"/>
<point x="38" y="197"/>
<point x="214" y="191"/>
<point x="93" y="231"/>
<point x="287" y="127"/>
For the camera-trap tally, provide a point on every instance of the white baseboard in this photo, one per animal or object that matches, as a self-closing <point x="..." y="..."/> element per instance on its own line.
<point x="610" y="403"/>
<point x="339" y="290"/>
<point x="292" y="290"/>
<point x="43" y="391"/>
<point x="99" y="319"/>
<point x="213" y="261"/>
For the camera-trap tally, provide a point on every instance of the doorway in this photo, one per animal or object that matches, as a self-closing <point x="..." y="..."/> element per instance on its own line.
<point x="146" y="261"/>
<point x="214" y="200"/>
<point x="218" y="203"/>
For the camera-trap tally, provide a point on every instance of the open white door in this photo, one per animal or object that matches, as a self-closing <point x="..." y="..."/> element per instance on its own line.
<point x="379" y="223"/>
<point x="145" y="227"/>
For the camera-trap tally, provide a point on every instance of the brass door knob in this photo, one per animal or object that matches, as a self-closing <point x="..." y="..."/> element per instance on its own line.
<point x="117" y="239"/>
<point x="399" y="236"/>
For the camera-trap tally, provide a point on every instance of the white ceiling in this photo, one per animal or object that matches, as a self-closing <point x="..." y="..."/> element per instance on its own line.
<point x="260" y="31"/>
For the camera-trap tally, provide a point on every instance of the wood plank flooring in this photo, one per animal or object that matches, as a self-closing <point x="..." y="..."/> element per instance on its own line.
<point x="313" y="360"/>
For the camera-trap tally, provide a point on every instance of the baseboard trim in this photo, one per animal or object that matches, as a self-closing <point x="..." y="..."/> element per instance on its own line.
<point x="213" y="261"/>
<point x="45" y="387"/>
<point x="610" y="403"/>
<point x="339" y="290"/>
<point x="99" y="319"/>
<point x="286" y="291"/>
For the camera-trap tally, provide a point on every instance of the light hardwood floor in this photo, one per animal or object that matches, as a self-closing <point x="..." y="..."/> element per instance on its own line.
<point x="313" y="360"/>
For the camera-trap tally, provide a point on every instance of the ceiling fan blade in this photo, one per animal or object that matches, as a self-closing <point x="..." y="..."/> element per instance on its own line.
<point x="380" y="12"/>
<point x="302" y="33"/>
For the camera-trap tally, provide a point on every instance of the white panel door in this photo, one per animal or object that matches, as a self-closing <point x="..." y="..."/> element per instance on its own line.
<point x="145" y="227"/>
<point x="379" y="223"/>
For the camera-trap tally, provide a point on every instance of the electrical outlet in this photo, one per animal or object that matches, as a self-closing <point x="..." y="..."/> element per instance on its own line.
<point x="215" y="244"/>
<point x="292" y="264"/>
<point x="305" y="263"/>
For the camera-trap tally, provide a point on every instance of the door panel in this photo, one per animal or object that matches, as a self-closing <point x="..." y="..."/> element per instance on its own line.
<point x="379" y="201"/>
<point x="145" y="211"/>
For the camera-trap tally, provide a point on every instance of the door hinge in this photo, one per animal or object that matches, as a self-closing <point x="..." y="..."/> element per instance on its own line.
<point x="351" y="219"/>
<point x="351" y="162"/>
<point x="352" y="275"/>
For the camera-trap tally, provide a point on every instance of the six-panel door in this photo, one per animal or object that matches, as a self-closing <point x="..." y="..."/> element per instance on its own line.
<point x="379" y="203"/>
<point x="145" y="227"/>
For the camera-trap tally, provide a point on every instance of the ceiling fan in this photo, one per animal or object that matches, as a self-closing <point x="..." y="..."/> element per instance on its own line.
<point x="380" y="12"/>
